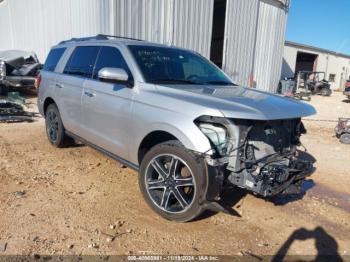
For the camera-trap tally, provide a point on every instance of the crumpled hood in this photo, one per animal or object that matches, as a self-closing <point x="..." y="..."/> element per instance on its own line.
<point x="240" y="102"/>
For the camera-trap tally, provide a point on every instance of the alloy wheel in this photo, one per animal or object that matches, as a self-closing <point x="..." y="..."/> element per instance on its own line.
<point x="52" y="125"/>
<point x="170" y="183"/>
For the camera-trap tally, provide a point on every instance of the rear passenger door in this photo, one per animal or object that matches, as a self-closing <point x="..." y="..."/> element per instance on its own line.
<point x="69" y="86"/>
<point x="106" y="106"/>
<point x="48" y="76"/>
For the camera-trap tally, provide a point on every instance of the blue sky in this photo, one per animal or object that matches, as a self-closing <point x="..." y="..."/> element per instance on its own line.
<point x="321" y="23"/>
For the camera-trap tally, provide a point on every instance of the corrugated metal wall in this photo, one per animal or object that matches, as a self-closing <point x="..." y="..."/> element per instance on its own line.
<point x="193" y="22"/>
<point x="254" y="32"/>
<point x="36" y="25"/>
<point x="240" y="39"/>
<point x="269" y="45"/>
<point x="184" y="23"/>
<point x="144" y="19"/>
<point x="253" y="50"/>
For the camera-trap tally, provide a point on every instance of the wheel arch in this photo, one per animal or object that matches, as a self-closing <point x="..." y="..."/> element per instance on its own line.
<point x="189" y="135"/>
<point x="48" y="101"/>
<point x="152" y="139"/>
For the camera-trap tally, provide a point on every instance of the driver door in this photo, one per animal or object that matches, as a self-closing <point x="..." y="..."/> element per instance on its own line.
<point x="106" y="106"/>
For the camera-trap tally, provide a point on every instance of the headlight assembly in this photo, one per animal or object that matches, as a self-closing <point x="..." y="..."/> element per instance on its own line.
<point x="217" y="135"/>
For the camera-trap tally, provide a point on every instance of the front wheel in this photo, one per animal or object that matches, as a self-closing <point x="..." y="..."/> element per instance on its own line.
<point x="173" y="181"/>
<point x="54" y="127"/>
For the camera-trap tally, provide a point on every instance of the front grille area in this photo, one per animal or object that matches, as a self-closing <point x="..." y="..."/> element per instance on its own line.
<point x="268" y="138"/>
<point x="267" y="162"/>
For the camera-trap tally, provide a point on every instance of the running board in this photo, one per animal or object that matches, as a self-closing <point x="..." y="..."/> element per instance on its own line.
<point x="103" y="151"/>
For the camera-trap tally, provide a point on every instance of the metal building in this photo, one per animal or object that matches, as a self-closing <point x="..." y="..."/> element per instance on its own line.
<point x="299" y="57"/>
<point x="244" y="37"/>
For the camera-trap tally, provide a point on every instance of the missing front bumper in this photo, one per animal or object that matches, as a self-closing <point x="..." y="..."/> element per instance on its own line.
<point x="273" y="183"/>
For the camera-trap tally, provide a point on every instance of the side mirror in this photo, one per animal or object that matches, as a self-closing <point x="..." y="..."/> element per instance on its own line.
<point x="114" y="75"/>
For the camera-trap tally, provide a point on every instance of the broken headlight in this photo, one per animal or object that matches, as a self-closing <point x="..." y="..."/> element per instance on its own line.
<point x="217" y="136"/>
<point x="2" y="70"/>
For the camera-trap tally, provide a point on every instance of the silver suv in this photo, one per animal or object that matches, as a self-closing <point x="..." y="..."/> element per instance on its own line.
<point x="174" y="117"/>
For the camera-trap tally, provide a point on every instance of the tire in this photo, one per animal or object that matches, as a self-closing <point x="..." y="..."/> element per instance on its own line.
<point x="173" y="181"/>
<point x="54" y="128"/>
<point x="345" y="139"/>
<point x="325" y="92"/>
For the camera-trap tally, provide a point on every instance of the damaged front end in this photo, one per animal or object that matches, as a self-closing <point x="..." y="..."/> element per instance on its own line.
<point x="260" y="156"/>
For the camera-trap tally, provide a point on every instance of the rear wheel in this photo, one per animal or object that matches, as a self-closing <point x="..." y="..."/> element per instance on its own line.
<point x="54" y="127"/>
<point x="345" y="138"/>
<point x="173" y="181"/>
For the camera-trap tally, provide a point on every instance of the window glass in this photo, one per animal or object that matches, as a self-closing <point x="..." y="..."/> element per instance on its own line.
<point x="53" y="58"/>
<point x="82" y="61"/>
<point x="110" y="57"/>
<point x="332" y="78"/>
<point x="193" y="67"/>
<point x="176" y="66"/>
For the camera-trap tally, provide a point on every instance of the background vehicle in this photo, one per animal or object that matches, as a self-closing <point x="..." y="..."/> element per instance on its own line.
<point x="342" y="130"/>
<point x="18" y="69"/>
<point x="347" y="89"/>
<point x="307" y="83"/>
<point x="173" y="116"/>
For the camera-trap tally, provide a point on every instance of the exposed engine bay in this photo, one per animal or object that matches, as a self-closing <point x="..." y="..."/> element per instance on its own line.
<point x="260" y="156"/>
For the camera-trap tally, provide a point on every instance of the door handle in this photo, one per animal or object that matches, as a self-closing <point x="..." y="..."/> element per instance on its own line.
<point x="89" y="94"/>
<point x="59" y="86"/>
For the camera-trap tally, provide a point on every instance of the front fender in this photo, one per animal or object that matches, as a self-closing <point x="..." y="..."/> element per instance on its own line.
<point x="189" y="135"/>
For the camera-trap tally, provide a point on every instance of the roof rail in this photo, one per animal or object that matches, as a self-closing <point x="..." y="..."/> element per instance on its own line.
<point x="97" y="37"/>
<point x="121" y="37"/>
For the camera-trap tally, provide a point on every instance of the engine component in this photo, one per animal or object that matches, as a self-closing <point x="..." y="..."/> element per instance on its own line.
<point x="267" y="161"/>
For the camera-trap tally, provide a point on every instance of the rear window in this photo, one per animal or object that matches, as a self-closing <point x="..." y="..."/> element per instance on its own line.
<point x="82" y="61"/>
<point x="53" y="58"/>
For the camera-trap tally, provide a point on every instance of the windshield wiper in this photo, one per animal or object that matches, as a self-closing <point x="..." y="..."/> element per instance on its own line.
<point x="174" y="81"/>
<point x="224" y="83"/>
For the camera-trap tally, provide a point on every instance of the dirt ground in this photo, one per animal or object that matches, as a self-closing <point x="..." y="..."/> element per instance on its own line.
<point x="78" y="201"/>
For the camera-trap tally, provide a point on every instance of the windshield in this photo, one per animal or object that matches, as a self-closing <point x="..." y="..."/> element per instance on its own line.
<point x="174" y="66"/>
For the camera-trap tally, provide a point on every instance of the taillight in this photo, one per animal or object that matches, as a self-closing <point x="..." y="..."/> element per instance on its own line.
<point x="347" y="84"/>
<point x="37" y="81"/>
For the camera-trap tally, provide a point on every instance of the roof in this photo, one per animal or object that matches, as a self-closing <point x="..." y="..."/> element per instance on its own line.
<point x="102" y="39"/>
<point x="316" y="49"/>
